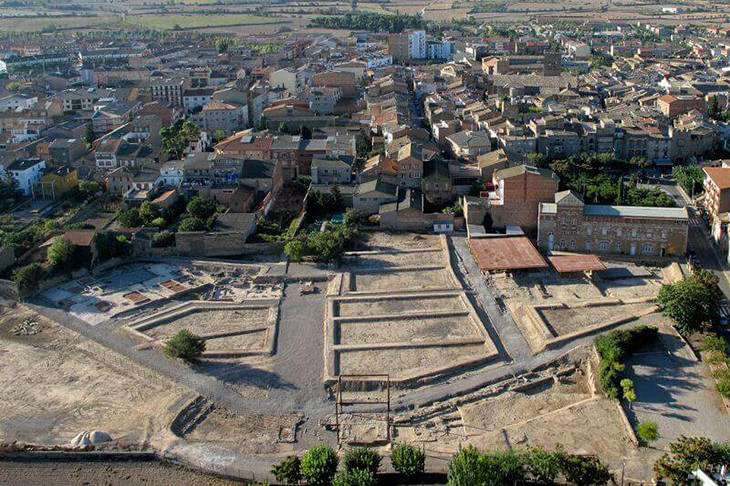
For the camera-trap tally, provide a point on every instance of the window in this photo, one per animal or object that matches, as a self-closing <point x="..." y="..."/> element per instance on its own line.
<point x="618" y="247"/>
<point x="589" y="230"/>
<point x="649" y="235"/>
<point x="619" y="232"/>
<point x="633" y="233"/>
<point x="572" y="244"/>
<point x="588" y="246"/>
<point x="647" y="249"/>
<point x="603" y="246"/>
<point x="604" y="231"/>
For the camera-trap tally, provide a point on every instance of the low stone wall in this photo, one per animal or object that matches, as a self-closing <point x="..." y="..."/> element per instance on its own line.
<point x="221" y="244"/>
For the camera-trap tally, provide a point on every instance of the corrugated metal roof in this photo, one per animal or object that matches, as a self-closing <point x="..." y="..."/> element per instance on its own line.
<point x="635" y="211"/>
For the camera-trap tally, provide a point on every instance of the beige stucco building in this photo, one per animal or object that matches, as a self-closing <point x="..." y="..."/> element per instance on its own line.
<point x="570" y="224"/>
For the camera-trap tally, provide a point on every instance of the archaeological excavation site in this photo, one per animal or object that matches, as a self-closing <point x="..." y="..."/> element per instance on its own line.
<point x="406" y="341"/>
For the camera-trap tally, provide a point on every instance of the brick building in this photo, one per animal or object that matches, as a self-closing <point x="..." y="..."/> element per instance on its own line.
<point x="672" y="106"/>
<point x="518" y="191"/>
<point x="570" y="224"/>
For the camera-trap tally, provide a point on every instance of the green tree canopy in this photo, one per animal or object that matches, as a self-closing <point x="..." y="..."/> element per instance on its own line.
<point x="691" y="302"/>
<point x="61" y="252"/>
<point x="185" y="345"/>
<point x="201" y="208"/>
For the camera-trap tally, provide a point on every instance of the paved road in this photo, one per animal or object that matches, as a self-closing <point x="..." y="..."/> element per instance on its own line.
<point x="706" y="253"/>
<point x="677" y="394"/>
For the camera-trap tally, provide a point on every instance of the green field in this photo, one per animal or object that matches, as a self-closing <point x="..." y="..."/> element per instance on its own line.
<point x="62" y="23"/>
<point x="171" y="22"/>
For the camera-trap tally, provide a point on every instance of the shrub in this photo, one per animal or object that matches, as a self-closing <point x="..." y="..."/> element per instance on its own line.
<point x="469" y="467"/>
<point x="162" y="239"/>
<point x="356" y="477"/>
<point x="465" y="467"/>
<point x="60" y="253"/>
<point x="586" y="470"/>
<point x="723" y="387"/>
<point x="647" y="432"/>
<point x="319" y="465"/>
<point x="362" y="458"/>
<point x="26" y="278"/>
<point x="688" y="454"/>
<point x="543" y="465"/>
<point x="288" y="471"/>
<point x="185" y="345"/>
<point x="613" y="349"/>
<point x="191" y="224"/>
<point x="159" y="223"/>
<point x="408" y="460"/>
<point x="713" y="343"/>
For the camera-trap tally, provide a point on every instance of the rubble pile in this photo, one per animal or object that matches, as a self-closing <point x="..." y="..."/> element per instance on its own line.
<point x="28" y="327"/>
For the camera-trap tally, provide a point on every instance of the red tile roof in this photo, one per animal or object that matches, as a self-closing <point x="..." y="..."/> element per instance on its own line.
<point x="506" y="253"/>
<point x="576" y="263"/>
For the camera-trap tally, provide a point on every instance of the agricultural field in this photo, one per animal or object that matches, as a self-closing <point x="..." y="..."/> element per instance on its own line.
<point x="188" y="22"/>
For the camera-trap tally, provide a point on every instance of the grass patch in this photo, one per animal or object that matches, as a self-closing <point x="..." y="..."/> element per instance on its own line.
<point x="175" y="22"/>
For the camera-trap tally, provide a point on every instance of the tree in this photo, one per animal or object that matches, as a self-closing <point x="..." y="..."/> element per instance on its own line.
<point x="263" y="123"/>
<point x="647" y="432"/>
<point x="110" y="245"/>
<point x="201" y="208"/>
<point x="162" y="239"/>
<point x="543" y="465"/>
<point x="61" y="252"/>
<point x="176" y="138"/>
<point x="319" y="465"/>
<point x="191" y="224"/>
<point x="687" y="454"/>
<point x="585" y="470"/>
<point x="305" y="132"/>
<point x="222" y="45"/>
<point x="336" y="196"/>
<point x="90" y="136"/>
<point x="130" y="218"/>
<point x="26" y="278"/>
<point x="185" y="345"/>
<point x="288" y="471"/>
<point x="465" y="468"/>
<point x="713" y="108"/>
<point x="408" y="460"/>
<point x="89" y="189"/>
<point x="690" y="177"/>
<point x="362" y="458"/>
<point x="283" y="128"/>
<point x="690" y="302"/>
<point x="148" y="212"/>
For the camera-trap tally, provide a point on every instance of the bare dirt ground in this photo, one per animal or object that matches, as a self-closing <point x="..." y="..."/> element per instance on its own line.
<point x="388" y="241"/>
<point x="250" y="434"/>
<point x="54" y="388"/>
<point x="565" y="321"/>
<point x="107" y="473"/>
<point x="211" y="322"/>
